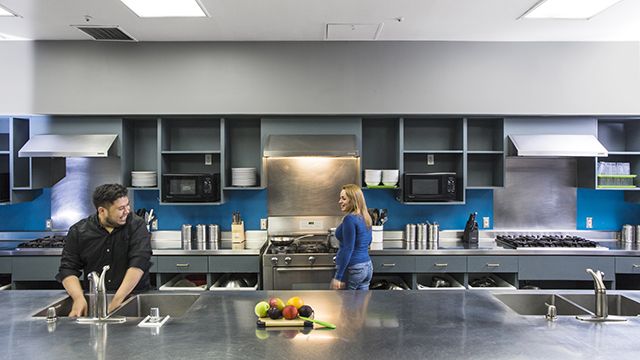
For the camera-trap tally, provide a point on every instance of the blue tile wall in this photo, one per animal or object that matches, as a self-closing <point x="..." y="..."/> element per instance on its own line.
<point x="608" y="209"/>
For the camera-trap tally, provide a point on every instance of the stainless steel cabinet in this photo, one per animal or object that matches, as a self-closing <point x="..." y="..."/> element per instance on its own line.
<point x="492" y="264"/>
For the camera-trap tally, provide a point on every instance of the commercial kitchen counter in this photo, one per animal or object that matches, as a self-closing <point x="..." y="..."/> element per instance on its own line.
<point x="370" y="325"/>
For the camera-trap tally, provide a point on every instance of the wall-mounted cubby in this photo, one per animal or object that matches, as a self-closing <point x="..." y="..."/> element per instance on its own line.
<point x="140" y="148"/>
<point x="380" y="145"/>
<point x="485" y="152"/>
<point x="242" y="150"/>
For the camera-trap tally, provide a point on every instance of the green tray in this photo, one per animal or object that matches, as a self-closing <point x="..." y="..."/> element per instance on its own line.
<point x="616" y="187"/>
<point x="618" y="176"/>
<point x="381" y="187"/>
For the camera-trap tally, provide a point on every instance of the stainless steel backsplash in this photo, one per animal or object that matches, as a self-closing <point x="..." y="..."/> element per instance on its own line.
<point x="71" y="196"/>
<point x="307" y="186"/>
<point x="539" y="193"/>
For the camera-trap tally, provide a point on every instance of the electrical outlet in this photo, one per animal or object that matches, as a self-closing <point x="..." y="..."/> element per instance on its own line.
<point x="207" y="159"/>
<point x="48" y="224"/>
<point x="263" y="224"/>
<point x="154" y="224"/>
<point x="431" y="159"/>
<point x="485" y="222"/>
<point x="589" y="223"/>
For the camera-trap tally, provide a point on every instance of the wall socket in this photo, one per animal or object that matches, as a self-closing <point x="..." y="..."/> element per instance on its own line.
<point x="589" y="223"/>
<point x="485" y="222"/>
<point x="263" y="224"/>
<point x="431" y="159"/>
<point x="48" y="224"/>
<point x="154" y="224"/>
<point x="207" y="159"/>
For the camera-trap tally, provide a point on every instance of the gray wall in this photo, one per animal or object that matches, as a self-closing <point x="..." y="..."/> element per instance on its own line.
<point x="321" y="78"/>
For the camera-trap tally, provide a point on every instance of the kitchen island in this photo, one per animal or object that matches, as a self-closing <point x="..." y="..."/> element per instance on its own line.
<point x="370" y="325"/>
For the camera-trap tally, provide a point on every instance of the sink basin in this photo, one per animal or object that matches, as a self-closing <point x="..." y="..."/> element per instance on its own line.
<point x="63" y="307"/>
<point x="534" y="304"/>
<point x="174" y="305"/>
<point x="618" y="304"/>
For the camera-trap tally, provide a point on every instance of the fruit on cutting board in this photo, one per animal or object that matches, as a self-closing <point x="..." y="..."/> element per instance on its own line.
<point x="290" y="312"/>
<point x="295" y="301"/>
<point x="276" y="302"/>
<point x="274" y="313"/>
<point x="261" y="308"/>
<point x="305" y="310"/>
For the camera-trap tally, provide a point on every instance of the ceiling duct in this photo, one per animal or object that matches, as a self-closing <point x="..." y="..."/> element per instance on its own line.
<point x="105" y="33"/>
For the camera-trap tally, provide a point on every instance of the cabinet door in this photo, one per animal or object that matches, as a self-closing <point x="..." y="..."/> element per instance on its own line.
<point x="628" y="265"/>
<point x="441" y="264"/>
<point x="154" y="264"/>
<point x="564" y="267"/>
<point x="393" y="264"/>
<point x="35" y="268"/>
<point x="182" y="264"/>
<point x="228" y="264"/>
<point x="5" y="265"/>
<point x="492" y="264"/>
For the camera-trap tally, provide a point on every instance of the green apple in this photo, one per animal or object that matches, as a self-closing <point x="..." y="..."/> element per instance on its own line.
<point x="261" y="309"/>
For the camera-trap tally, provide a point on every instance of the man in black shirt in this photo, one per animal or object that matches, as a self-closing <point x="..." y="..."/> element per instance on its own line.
<point x="112" y="236"/>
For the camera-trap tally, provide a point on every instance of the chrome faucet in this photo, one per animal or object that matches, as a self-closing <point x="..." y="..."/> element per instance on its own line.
<point x="602" y="306"/>
<point x="98" y="294"/>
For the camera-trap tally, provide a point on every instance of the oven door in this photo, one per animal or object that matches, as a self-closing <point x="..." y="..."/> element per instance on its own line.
<point x="302" y="278"/>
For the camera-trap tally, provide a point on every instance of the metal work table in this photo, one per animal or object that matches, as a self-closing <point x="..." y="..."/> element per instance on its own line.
<point x="370" y="325"/>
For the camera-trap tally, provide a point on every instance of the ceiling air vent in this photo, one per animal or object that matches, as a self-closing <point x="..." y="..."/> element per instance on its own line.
<point x="105" y="33"/>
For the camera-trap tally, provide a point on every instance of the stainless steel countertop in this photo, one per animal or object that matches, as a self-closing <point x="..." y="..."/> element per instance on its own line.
<point x="370" y="325"/>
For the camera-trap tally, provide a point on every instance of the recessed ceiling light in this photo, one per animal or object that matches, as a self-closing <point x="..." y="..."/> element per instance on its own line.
<point x="5" y="12"/>
<point x="166" y="8"/>
<point x="568" y="9"/>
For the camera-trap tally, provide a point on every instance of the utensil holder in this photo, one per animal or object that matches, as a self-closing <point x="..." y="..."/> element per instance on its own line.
<point x="377" y="234"/>
<point x="237" y="233"/>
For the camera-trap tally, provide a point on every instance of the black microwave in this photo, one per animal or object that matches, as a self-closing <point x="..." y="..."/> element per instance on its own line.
<point x="420" y="187"/>
<point x="191" y="187"/>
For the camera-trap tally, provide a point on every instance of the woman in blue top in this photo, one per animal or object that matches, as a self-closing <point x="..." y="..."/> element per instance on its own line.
<point x="352" y="261"/>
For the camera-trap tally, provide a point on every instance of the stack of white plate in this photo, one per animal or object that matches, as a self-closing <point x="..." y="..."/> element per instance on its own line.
<point x="390" y="177"/>
<point x="144" y="178"/>
<point x="372" y="177"/>
<point x="244" y="176"/>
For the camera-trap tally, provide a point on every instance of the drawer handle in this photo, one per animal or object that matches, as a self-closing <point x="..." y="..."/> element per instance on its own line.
<point x="635" y="266"/>
<point x="388" y="265"/>
<point x="440" y="264"/>
<point x="182" y="265"/>
<point x="493" y="265"/>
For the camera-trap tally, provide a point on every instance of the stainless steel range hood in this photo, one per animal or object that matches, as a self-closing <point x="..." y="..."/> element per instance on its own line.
<point x="558" y="145"/>
<point x="92" y="145"/>
<point x="311" y="145"/>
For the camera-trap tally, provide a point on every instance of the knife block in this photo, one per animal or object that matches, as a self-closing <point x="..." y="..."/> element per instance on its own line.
<point x="237" y="233"/>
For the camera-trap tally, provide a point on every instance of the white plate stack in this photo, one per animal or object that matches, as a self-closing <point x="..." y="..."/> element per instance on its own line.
<point x="144" y="178"/>
<point x="390" y="177"/>
<point x="372" y="177"/>
<point x="244" y="176"/>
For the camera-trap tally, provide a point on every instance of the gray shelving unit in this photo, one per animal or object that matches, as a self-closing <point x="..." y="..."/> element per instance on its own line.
<point x="485" y="153"/>
<point x="140" y="148"/>
<point x="4" y="159"/>
<point x="242" y="149"/>
<point x="380" y="144"/>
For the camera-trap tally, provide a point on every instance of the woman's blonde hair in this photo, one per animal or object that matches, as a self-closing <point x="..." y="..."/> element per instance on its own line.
<point x="356" y="200"/>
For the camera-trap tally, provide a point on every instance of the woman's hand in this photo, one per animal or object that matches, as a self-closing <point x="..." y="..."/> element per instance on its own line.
<point x="337" y="284"/>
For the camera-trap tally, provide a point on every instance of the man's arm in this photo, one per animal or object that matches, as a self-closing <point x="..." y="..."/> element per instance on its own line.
<point x="131" y="279"/>
<point x="72" y="284"/>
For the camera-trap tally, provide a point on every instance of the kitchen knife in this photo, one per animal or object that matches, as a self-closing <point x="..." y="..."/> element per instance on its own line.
<point x="323" y="323"/>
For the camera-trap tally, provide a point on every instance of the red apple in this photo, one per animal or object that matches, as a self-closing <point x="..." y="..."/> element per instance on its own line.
<point x="290" y="312"/>
<point x="276" y="302"/>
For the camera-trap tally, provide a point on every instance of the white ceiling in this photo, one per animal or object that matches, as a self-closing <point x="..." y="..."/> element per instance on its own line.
<point x="306" y="20"/>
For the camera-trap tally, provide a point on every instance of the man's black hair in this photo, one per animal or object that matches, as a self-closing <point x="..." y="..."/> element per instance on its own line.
<point x="105" y="195"/>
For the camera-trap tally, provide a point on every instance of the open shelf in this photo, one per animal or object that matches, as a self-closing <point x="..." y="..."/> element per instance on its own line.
<point x="190" y="135"/>
<point x="435" y="134"/>
<point x="485" y="134"/>
<point x="485" y="170"/>
<point x="619" y="135"/>
<point x="242" y="150"/>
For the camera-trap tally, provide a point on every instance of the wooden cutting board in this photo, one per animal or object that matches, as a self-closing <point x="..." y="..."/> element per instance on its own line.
<point x="268" y="322"/>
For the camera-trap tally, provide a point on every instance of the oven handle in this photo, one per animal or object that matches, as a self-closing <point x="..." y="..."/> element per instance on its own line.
<point x="287" y="269"/>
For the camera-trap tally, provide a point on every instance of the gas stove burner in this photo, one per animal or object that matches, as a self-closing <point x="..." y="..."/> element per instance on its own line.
<point x="545" y="241"/>
<point x="55" y="241"/>
<point x="313" y="248"/>
<point x="302" y="248"/>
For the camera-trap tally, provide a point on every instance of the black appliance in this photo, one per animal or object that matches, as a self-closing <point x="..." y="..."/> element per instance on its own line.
<point x="544" y="241"/>
<point x="471" y="233"/>
<point x="191" y="187"/>
<point x="4" y="187"/>
<point x="54" y="241"/>
<point x="420" y="187"/>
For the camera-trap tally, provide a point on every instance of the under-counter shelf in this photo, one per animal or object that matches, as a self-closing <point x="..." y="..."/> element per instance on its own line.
<point x="501" y="284"/>
<point x="183" y="282"/>
<point x="427" y="282"/>
<point x="250" y="280"/>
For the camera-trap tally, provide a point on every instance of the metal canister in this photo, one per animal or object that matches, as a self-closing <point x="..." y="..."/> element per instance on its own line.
<point x="410" y="236"/>
<point x="213" y="237"/>
<point x="433" y="236"/>
<point x="201" y="236"/>
<point x="627" y="233"/>
<point x="185" y="234"/>
<point x="636" y="239"/>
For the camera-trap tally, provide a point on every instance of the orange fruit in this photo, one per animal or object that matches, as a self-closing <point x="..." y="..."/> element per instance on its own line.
<point x="295" y="301"/>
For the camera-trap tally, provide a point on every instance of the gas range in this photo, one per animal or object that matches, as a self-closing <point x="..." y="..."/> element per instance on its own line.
<point x="307" y="253"/>
<point x="53" y="241"/>
<point x="545" y="241"/>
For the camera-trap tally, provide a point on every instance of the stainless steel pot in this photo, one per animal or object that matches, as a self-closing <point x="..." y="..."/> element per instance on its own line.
<point x="286" y="240"/>
<point x="332" y="240"/>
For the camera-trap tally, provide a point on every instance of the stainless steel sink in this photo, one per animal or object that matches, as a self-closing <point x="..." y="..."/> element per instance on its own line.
<point x="63" y="307"/>
<point x="174" y="305"/>
<point x="536" y="304"/>
<point x="618" y="304"/>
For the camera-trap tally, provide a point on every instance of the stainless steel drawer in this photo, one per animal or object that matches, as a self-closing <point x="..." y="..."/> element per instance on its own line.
<point x="229" y="263"/>
<point x="182" y="264"/>
<point x="436" y="264"/>
<point x="492" y="264"/>
<point x="390" y="264"/>
<point x="627" y="265"/>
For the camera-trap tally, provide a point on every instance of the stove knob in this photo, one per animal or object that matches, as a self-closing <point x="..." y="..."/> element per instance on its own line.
<point x="312" y="259"/>
<point x="287" y="260"/>
<point x="334" y="259"/>
<point x="274" y="260"/>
